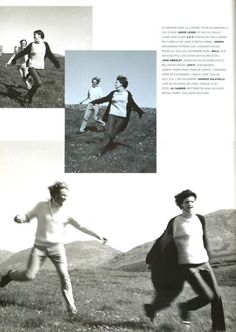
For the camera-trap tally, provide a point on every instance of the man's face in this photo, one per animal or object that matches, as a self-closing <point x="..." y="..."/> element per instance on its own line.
<point x="61" y="197"/>
<point x="118" y="84"/>
<point x="37" y="37"/>
<point x="188" y="204"/>
<point x="23" y="44"/>
<point x="94" y="83"/>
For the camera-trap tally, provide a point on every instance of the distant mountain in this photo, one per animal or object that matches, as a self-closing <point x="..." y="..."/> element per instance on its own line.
<point x="80" y="254"/>
<point x="221" y="233"/>
<point x="4" y="255"/>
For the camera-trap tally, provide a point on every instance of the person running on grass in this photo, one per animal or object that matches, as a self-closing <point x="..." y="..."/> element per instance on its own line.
<point x="52" y="217"/>
<point x="94" y="92"/>
<point x="37" y="52"/>
<point x="180" y="255"/>
<point x="120" y="105"/>
<point x="22" y="63"/>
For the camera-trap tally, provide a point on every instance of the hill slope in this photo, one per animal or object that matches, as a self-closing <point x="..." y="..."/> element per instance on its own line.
<point x="80" y="254"/>
<point x="12" y="88"/>
<point x="134" y="150"/>
<point x="221" y="228"/>
<point x="4" y="255"/>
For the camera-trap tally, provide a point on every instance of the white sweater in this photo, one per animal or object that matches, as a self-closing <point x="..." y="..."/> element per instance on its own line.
<point x="188" y="237"/>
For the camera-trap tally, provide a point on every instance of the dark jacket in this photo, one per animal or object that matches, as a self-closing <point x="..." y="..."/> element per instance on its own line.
<point x="27" y="51"/>
<point x="131" y="106"/>
<point x="163" y="257"/>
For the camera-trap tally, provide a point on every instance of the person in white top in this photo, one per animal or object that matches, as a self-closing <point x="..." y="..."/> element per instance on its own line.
<point x="37" y="51"/>
<point x="120" y="105"/>
<point x="94" y="92"/>
<point x="52" y="218"/>
<point x="22" y="63"/>
<point x="188" y="254"/>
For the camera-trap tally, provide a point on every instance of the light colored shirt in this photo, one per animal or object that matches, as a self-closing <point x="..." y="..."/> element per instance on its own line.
<point x="37" y="54"/>
<point x="119" y="103"/>
<point x="51" y="225"/>
<point x="188" y="237"/>
<point x="93" y="93"/>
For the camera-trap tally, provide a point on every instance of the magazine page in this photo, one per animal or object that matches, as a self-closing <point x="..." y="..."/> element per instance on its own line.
<point x="117" y="122"/>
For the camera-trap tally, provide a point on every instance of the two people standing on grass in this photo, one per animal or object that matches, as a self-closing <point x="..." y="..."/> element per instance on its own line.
<point x="117" y="115"/>
<point x="36" y="51"/>
<point x="21" y="63"/>
<point x="181" y="254"/>
<point x="52" y="217"/>
<point x="94" y="92"/>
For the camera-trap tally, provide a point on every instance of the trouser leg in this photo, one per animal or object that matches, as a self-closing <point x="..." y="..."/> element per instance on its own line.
<point x="205" y="285"/>
<point x="87" y="114"/>
<point x="36" y="259"/>
<point x="57" y="255"/>
<point x="96" y="115"/>
<point x="37" y="82"/>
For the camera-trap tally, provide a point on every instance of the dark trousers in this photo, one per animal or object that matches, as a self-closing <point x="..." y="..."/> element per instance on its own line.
<point x="114" y="125"/>
<point x="35" y="74"/>
<point x="203" y="282"/>
<point x="202" y="279"/>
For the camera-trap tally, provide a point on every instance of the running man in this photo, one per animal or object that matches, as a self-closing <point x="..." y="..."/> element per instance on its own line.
<point x="52" y="218"/>
<point x="94" y="92"/>
<point x="22" y="63"/>
<point x="37" y="52"/>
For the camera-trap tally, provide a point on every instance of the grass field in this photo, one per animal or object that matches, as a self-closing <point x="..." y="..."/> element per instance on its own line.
<point x="107" y="300"/>
<point x="134" y="150"/>
<point x="49" y="95"/>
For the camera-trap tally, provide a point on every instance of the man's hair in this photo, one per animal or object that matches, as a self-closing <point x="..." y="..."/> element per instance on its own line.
<point x="56" y="187"/>
<point x="23" y="40"/>
<point x="40" y="32"/>
<point x="179" y="198"/>
<point x="96" y="78"/>
<point x="123" y="80"/>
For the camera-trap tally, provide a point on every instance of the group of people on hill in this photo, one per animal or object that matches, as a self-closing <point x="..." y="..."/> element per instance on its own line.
<point x="30" y="61"/>
<point x="117" y="114"/>
<point x="179" y="255"/>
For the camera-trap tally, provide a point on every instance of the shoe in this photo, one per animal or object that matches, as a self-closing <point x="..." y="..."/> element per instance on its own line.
<point x="5" y="279"/>
<point x="82" y="131"/>
<point x="149" y="311"/>
<point x="184" y="314"/>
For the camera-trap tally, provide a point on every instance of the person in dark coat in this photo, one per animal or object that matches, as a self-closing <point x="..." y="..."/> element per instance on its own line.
<point x="37" y="51"/>
<point x="117" y="114"/>
<point x="181" y="254"/>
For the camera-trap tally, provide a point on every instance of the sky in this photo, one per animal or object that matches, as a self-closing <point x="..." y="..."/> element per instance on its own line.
<point x="64" y="27"/>
<point x="138" y="66"/>
<point x="195" y="134"/>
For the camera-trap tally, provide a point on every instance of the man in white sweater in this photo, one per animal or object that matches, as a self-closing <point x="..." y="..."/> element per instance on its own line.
<point x="52" y="218"/>
<point x="94" y="92"/>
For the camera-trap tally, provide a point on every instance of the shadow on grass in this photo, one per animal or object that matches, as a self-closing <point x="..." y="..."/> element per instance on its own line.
<point x="12" y="92"/>
<point x="12" y="302"/>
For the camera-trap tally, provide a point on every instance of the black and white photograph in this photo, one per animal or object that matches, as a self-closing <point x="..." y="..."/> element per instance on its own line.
<point x="110" y="117"/>
<point x="117" y="166"/>
<point x="33" y="52"/>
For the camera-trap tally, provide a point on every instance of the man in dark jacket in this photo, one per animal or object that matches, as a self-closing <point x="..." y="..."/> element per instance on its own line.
<point x="37" y="52"/>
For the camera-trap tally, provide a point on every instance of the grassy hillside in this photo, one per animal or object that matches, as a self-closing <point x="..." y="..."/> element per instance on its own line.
<point x="222" y="240"/>
<point x="12" y="88"/>
<point x="134" y="150"/>
<point x="4" y="255"/>
<point x="106" y="300"/>
<point x="80" y="254"/>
